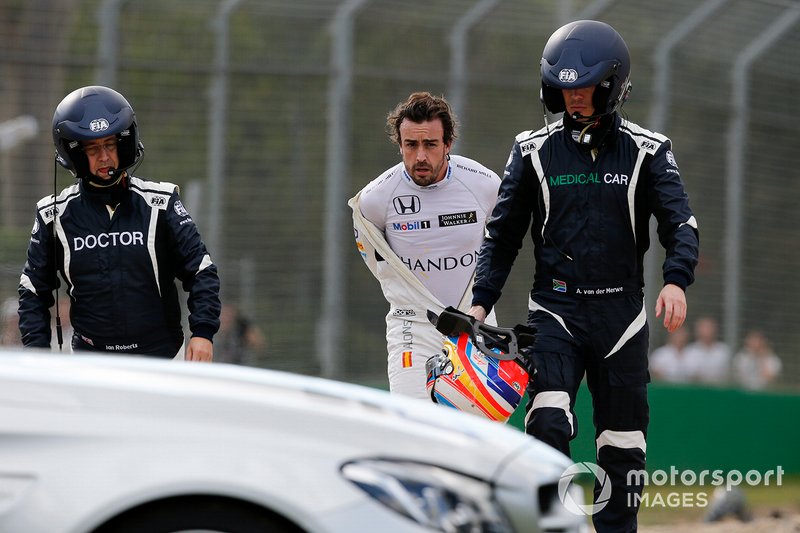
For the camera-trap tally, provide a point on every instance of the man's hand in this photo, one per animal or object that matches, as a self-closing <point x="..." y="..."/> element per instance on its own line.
<point x="478" y="312"/>
<point x="199" y="349"/>
<point x="671" y="300"/>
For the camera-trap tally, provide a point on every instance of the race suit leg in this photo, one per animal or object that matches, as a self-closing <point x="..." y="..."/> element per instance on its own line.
<point x="410" y="342"/>
<point x="595" y="337"/>
<point x="618" y="383"/>
<point x="556" y="371"/>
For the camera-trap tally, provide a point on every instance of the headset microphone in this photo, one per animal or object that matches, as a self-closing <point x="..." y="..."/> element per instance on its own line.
<point x="578" y="117"/>
<point x="116" y="173"/>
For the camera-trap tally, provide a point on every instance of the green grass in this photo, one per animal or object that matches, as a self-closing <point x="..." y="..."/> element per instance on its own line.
<point x="679" y="504"/>
<point x="682" y="504"/>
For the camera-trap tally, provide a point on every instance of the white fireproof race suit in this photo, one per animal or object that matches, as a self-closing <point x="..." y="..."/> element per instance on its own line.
<point x="422" y="243"/>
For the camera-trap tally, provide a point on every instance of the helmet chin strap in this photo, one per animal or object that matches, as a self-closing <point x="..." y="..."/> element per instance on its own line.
<point x="586" y="123"/>
<point x="105" y="185"/>
<point x="591" y="124"/>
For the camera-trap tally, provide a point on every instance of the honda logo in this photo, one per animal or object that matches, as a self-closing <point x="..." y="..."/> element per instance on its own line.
<point x="406" y="205"/>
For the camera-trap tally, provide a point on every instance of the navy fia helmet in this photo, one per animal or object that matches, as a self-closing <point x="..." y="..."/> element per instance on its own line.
<point x="586" y="53"/>
<point x="94" y="112"/>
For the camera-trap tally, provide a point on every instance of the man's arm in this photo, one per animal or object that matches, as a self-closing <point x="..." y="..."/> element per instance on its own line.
<point x="672" y="301"/>
<point x="677" y="233"/>
<point x="199" y="276"/>
<point x="36" y="285"/>
<point x="364" y="244"/>
<point x="677" y="227"/>
<point x="478" y="311"/>
<point x="199" y="349"/>
<point x="505" y="230"/>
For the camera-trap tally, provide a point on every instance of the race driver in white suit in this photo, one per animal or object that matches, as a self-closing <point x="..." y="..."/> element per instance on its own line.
<point x="419" y="227"/>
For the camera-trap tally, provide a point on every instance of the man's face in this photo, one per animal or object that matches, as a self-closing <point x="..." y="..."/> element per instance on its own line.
<point x="424" y="151"/>
<point x="102" y="155"/>
<point x="579" y="101"/>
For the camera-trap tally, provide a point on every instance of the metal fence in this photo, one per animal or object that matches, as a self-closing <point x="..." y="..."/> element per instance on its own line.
<point x="270" y="114"/>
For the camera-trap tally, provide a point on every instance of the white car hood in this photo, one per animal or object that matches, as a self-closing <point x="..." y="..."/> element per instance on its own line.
<point x="93" y="394"/>
<point x="84" y="437"/>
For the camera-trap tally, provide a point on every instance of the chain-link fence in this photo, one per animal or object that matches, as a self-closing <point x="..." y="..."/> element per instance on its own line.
<point x="270" y="114"/>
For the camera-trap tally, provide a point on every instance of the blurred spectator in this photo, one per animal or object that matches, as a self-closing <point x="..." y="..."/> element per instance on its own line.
<point x="10" y="335"/>
<point x="669" y="362"/>
<point x="238" y="338"/>
<point x="755" y="366"/>
<point x="709" y="356"/>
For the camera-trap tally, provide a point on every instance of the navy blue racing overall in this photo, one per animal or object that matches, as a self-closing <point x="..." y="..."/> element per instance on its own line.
<point x="588" y="209"/>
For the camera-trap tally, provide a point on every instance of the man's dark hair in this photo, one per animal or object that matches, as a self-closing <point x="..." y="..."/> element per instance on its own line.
<point x="422" y="107"/>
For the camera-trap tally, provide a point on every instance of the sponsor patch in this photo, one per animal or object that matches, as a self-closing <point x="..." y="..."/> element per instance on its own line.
<point x="457" y="219"/>
<point x="527" y="147"/>
<point x="411" y="226"/>
<point x="440" y="264"/>
<point x="671" y="159"/>
<point x="404" y="312"/>
<point x="406" y="205"/>
<point x="48" y="214"/>
<point x="648" y="145"/>
<point x="179" y="209"/>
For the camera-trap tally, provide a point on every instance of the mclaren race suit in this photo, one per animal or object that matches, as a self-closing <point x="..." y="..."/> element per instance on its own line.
<point x="120" y="268"/>
<point x="588" y="212"/>
<point x="421" y="243"/>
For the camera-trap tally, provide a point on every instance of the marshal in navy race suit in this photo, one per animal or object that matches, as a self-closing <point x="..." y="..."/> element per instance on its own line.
<point x="120" y="271"/>
<point x="586" y="187"/>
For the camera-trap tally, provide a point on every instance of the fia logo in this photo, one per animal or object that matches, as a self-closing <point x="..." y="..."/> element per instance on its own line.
<point x="158" y="201"/>
<point x="568" y="75"/>
<point x="98" y="124"/>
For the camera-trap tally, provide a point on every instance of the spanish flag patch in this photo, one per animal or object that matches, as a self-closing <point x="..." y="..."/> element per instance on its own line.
<point x="406" y="359"/>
